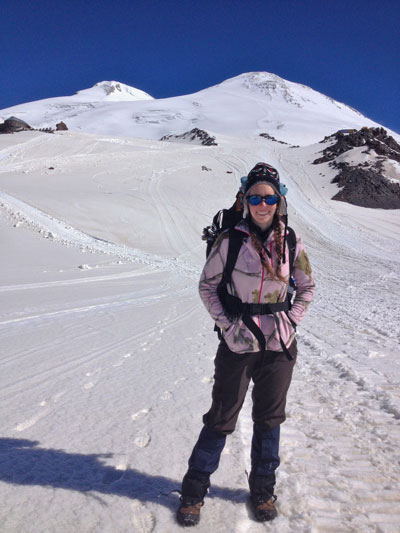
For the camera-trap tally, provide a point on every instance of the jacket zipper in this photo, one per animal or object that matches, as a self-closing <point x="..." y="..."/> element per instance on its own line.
<point x="261" y="286"/>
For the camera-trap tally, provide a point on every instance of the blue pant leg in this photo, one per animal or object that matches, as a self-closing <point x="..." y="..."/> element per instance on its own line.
<point x="202" y="463"/>
<point x="265" y="450"/>
<point x="207" y="451"/>
<point x="264" y="461"/>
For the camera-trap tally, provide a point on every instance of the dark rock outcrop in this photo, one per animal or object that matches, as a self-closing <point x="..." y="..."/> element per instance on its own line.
<point x="61" y="126"/>
<point x="366" y="187"/>
<point x="372" y="138"/>
<point x="195" y="135"/>
<point x="364" y="184"/>
<point x="14" y="124"/>
<point x="271" y="138"/>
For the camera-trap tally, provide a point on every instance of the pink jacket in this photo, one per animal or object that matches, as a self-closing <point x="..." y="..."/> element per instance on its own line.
<point x="252" y="284"/>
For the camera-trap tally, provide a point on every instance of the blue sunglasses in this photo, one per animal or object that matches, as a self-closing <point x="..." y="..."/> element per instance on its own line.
<point x="270" y="199"/>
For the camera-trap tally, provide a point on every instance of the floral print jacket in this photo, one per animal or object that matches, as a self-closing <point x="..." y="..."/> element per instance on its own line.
<point x="252" y="283"/>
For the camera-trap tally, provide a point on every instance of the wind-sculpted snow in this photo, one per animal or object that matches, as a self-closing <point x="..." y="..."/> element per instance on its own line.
<point x="51" y="228"/>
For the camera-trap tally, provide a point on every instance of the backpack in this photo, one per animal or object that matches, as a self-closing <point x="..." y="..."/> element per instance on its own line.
<point x="224" y="219"/>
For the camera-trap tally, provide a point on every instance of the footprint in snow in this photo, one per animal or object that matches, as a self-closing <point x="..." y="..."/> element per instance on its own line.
<point x="90" y="374"/>
<point x="120" y="363"/>
<point x="58" y="396"/>
<point x="375" y="355"/>
<point x="112" y="476"/>
<point x="179" y="381"/>
<point x="141" y="414"/>
<point x="142" y="440"/>
<point x="142" y="519"/>
<point x="27" y="424"/>
<point x="166" y="395"/>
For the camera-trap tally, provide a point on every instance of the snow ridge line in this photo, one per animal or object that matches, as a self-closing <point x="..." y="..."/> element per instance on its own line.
<point x="51" y="228"/>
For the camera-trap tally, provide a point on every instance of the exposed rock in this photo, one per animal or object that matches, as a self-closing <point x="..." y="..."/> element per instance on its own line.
<point x="195" y="135"/>
<point x="271" y="138"/>
<point x="61" y="126"/>
<point x="205" y="168"/>
<point x="375" y="138"/>
<point x="364" y="184"/>
<point x="14" y="124"/>
<point x="366" y="187"/>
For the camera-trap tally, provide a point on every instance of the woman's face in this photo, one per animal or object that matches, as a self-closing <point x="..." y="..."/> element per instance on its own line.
<point x="262" y="214"/>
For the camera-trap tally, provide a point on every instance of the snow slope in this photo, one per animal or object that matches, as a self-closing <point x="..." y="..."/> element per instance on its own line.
<point x="107" y="352"/>
<point x="244" y="106"/>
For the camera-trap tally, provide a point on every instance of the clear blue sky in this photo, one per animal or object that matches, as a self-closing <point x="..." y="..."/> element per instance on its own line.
<point x="347" y="49"/>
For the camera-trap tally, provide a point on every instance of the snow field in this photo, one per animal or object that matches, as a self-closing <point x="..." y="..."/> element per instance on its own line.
<point x="107" y="353"/>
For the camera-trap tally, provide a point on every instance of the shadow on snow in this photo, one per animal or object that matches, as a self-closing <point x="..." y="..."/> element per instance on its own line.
<point x="23" y="462"/>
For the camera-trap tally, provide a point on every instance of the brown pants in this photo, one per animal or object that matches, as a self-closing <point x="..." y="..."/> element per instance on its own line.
<point x="271" y="373"/>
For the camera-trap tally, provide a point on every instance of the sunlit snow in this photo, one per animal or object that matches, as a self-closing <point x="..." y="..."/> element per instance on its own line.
<point x="107" y="352"/>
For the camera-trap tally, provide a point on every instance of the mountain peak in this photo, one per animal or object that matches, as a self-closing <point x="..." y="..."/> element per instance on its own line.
<point x="273" y="87"/>
<point x="114" y="91"/>
<point x="259" y="81"/>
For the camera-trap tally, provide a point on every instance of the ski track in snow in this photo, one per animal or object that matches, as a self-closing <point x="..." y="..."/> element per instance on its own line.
<point x="53" y="229"/>
<point x="340" y="451"/>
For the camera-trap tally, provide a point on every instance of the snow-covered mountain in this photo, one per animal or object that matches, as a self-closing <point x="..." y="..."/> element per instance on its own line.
<point x="243" y="106"/>
<point x="256" y="105"/>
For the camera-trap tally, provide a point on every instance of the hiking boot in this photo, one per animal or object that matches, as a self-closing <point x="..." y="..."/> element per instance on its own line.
<point x="188" y="513"/>
<point x="264" y="510"/>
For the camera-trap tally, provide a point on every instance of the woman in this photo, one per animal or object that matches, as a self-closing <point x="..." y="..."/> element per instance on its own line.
<point x="265" y="353"/>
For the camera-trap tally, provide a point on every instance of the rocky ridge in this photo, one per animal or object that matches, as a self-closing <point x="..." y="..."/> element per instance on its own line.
<point x="195" y="135"/>
<point x="15" y="125"/>
<point x="367" y="183"/>
<point x="271" y="138"/>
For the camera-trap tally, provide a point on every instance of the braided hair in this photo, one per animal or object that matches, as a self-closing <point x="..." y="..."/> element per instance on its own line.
<point x="279" y="242"/>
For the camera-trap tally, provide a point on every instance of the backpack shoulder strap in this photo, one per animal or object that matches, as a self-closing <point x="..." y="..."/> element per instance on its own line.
<point x="235" y="243"/>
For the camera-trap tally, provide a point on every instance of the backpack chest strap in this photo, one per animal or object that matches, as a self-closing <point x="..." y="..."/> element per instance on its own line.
<point x="234" y="307"/>
<point x="266" y="309"/>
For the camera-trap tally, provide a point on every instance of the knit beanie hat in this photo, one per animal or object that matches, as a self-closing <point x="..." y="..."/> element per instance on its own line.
<point x="264" y="173"/>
